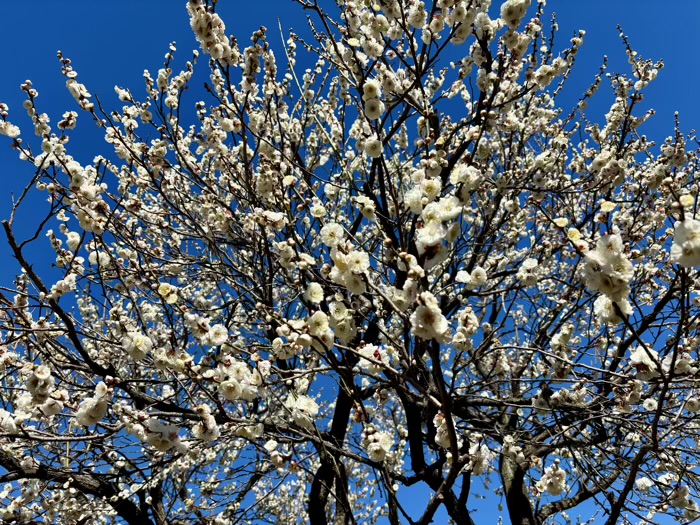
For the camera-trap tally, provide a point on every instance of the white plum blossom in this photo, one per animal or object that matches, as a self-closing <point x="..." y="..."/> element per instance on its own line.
<point x="168" y="292"/>
<point x="374" y="358"/>
<point x="466" y="178"/>
<point x="478" y="276"/>
<point x="605" y="311"/>
<point x="427" y="320"/>
<point x="314" y="293"/>
<point x="40" y="383"/>
<point x="217" y="335"/>
<point x="318" y="324"/>
<point x="607" y="269"/>
<point x="137" y="345"/>
<point x="553" y="481"/>
<point x="162" y="436"/>
<point x="207" y="429"/>
<point x="644" y="484"/>
<point x="527" y="273"/>
<point x="480" y="456"/>
<point x="442" y="433"/>
<point x="373" y="147"/>
<point x="332" y="234"/>
<point x="377" y="443"/>
<point x="7" y="422"/>
<point x="302" y="409"/>
<point x="685" y="249"/>
<point x="374" y="109"/>
<point x="512" y="11"/>
<point x="692" y="404"/>
<point x="238" y="382"/>
<point x="646" y="362"/>
<point x="93" y="409"/>
<point x="9" y="130"/>
<point x="349" y="269"/>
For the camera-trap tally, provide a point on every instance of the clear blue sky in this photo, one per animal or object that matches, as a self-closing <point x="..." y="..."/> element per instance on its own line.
<point x="112" y="42"/>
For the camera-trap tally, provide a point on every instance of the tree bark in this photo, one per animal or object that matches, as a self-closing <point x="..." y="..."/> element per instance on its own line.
<point x="513" y="479"/>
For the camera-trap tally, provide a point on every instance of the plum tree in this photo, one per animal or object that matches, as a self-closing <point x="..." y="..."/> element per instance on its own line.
<point x="407" y="265"/>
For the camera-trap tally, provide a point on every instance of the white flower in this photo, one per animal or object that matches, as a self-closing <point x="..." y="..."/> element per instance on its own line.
<point x="463" y="277"/>
<point x="650" y="404"/>
<point x="303" y="409"/>
<point x="480" y="458"/>
<point x="318" y="210"/>
<point x="610" y="245"/>
<point x="230" y="389"/>
<point x="682" y="363"/>
<point x="370" y="90"/>
<point x="378" y="444"/>
<point x="367" y="207"/>
<point x="314" y="293"/>
<point x="273" y="219"/>
<point x="339" y="311"/>
<point x="431" y="188"/>
<point x="527" y="273"/>
<point x="374" y="109"/>
<point x="40" y="383"/>
<point x="604" y="310"/>
<point x="332" y="234"/>
<point x="645" y="361"/>
<point x="9" y="130"/>
<point x="318" y="324"/>
<point x="137" y="345"/>
<point x="413" y="198"/>
<point x="607" y="269"/>
<point x="478" y="277"/>
<point x="679" y="497"/>
<point x="239" y="382"/>
<point x="353" y="282"/>
<point x="162" y="437"/>
<point x="692" y="404"/>
<point x="52" y="407"/>
<point x="468" y="176"/>
<point x="358" y="262"/>
<point x="218" y="335"/>
<point x="207" y="429"/>
<point x="91" y="411"/>
<point x="553" y="481"/>
<point x="431" y="213"/>
<point x="561" y="339"/>
<point x="644" y="484"/>
<point x="449" y="208"/>
<point x="692" y="510"/>
<point x="513" y="11"/>
<point x="430" y="234"/>
<point x="374" y="358"/>
<point x="345" y="331"/>
<point x="685" y="249"/>
<point x="283" y="350"/>
<point x="442" y="432"/>
<point x="251" y="432"/>
<point x="73" y="240"/>
<point x="7" y="422"/>
<point x="168" y="292"/>
<point x="427" y="321"/>
<point x="374" y="148"/>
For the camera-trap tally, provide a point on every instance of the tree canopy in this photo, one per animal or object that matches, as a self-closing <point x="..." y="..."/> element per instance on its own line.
<point x="407" y="265"/>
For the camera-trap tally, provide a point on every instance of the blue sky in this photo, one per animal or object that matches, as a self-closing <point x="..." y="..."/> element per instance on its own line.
<point x="113" y="42"/>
